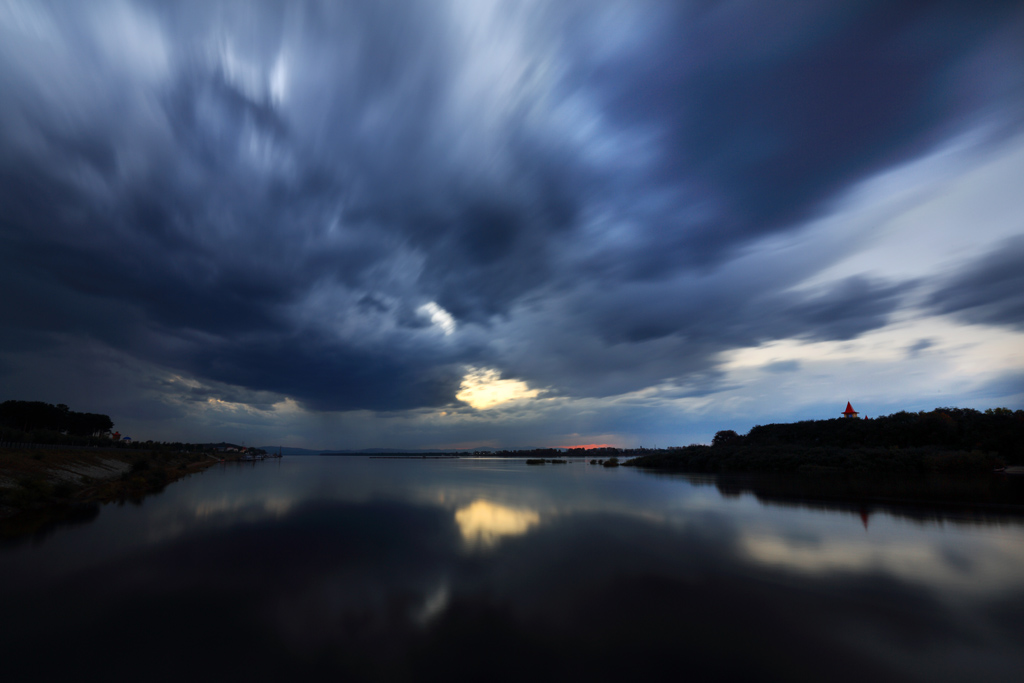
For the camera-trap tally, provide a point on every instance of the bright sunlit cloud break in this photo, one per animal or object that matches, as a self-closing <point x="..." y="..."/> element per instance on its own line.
<point x="483" y="388"/>
<point x="438" y="316"/>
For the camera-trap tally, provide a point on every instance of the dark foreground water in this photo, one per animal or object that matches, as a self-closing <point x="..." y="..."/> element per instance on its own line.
<point x="351" y="568"/>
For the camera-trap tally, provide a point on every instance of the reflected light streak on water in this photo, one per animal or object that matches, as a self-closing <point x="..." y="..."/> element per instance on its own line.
<point x="483" y="523"/>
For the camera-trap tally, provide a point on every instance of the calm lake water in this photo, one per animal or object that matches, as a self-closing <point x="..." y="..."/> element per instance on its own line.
<point x="358" y="568"/>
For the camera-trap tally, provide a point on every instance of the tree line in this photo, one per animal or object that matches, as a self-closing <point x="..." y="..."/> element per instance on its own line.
<point x="998" y="430"/>
<point x="34" y="416"/>
<point x="944" y="440"/>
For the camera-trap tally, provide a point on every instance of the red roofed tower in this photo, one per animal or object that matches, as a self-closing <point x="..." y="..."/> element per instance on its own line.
<point x="849" y="412"/>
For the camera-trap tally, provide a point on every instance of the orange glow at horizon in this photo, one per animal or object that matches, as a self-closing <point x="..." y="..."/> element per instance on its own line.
<point x="588" y="446"/>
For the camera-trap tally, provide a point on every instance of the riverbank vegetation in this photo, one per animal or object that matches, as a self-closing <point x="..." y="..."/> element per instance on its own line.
<point x="22" y="418"/>
<point x="942" y="441"/>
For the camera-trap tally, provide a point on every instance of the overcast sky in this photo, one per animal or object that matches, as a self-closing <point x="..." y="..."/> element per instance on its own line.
<point x="461" y="223"/>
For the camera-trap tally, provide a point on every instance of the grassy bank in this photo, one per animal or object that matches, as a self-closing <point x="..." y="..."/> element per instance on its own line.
<point x="40" y="487"/>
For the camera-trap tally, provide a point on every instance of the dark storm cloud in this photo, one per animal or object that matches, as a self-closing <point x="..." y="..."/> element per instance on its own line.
<point x="646" y="334"/>
<point x="850" y="308"/>
<point x="988" y="291"/>
<point x="713" y="311"/>
<point x="327" y="378"/>
<point x="268" y="196"/>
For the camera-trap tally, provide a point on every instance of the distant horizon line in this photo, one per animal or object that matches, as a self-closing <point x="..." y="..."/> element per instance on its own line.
<point x="488" y="449"/>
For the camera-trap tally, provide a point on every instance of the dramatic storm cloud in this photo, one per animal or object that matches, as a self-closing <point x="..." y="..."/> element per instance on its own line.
<point x="461" y="222"/>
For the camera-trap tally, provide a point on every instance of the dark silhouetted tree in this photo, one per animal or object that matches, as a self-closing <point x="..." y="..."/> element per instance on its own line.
<point x="723" y="437"/>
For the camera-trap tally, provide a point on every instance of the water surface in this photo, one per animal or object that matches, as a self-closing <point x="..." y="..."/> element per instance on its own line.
<point x="315" y="567"/>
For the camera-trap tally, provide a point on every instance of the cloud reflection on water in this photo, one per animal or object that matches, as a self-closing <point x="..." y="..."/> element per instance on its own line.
<point x="483" y="524"/>
<point x="987" y="566"/>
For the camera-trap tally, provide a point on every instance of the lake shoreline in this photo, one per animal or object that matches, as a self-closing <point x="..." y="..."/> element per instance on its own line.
<point x="43" y="488"/>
